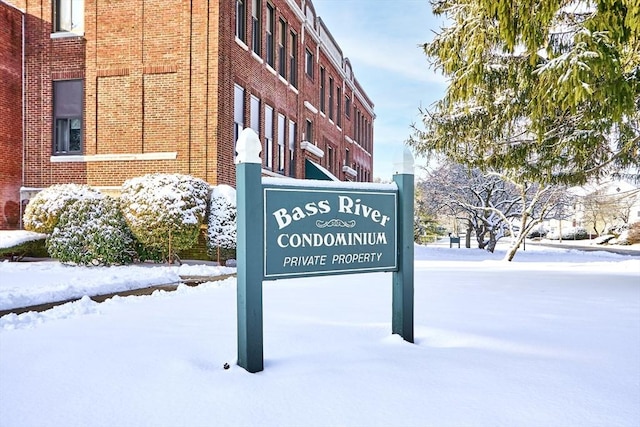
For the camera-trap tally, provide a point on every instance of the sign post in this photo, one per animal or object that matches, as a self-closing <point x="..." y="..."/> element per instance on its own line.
<point x="402" y="300"/>
<point x="249" y="222"/>
<point x="295" y="228"/>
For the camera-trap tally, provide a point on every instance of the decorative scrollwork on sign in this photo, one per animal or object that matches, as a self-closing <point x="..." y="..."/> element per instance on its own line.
<point x="336" y="223"/>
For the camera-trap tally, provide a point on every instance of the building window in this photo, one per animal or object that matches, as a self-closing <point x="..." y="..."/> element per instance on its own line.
<point x="255" y="114"/>
<point x="67" y="111"/>
<point x="339" y="106"/>
<point x="309" y="132"/>
<point x="331" y="89"/>
<point x="281" y="147"/>
<point x="68" y="15"/>
<point x="330" y="159"/>
<point x="322" y="89"/>
<point x="308" y="63"/>
<point x="347" y="157"/>
<point x="282" y="49"/>
<point x="292" y="148"/>
<point x="241" y="20"/>
<point x="347" y="106"/>
<point x="256" y="24"/>
<point x="268" y="136"/>
<point x="293" y="59"/>
<point x="271" y="19"/>
<point x="238" y="111"/>
<point x="365" y="134"/>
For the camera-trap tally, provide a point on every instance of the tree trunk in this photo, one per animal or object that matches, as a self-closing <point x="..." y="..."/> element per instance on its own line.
<point x="491" y="245"/>
<point x="480" y="233"/>
<point x="511" y="252"/>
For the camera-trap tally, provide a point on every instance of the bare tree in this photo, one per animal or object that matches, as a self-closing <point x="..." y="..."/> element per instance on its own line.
<point x="491" y="204"/>
<point x="604" y="210"/>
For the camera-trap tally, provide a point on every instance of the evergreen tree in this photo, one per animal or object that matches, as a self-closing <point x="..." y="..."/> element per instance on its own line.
<point x="426" y="227"/>
<point x="544" y="91"/>
<point x="222" y="224"/>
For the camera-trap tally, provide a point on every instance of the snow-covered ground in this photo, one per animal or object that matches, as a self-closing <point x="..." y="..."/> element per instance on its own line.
<point x="550" y="339"/>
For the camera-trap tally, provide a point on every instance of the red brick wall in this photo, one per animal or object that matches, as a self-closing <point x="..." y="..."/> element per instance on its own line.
<point x="258" y="79"/>
<point x="10" y="115"/>
<point x="159" y="78"/>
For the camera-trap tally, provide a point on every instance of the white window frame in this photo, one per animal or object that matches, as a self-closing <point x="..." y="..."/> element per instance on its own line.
<point x="68" y="16"/>
<point x="268" y="136"/>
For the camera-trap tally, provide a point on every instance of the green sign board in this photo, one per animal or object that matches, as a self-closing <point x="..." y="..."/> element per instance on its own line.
<point x="294" y="228"/>
<point x="312" y="231"/>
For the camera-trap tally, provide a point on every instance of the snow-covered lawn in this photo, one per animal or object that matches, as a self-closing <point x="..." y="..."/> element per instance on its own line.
<point x="551" y="339"/>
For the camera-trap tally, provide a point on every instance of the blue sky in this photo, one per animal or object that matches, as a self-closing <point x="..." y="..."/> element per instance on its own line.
<point x="381" y="38"/>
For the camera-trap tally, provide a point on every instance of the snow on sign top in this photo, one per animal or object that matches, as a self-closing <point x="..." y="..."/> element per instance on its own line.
<point x="316" y="183"/>
<point x="403" y="162"/>
<point x="248" y="147"/>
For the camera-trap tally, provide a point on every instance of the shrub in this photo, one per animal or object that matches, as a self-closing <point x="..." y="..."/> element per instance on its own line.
<point x="222" y="223"/>
<point x="92" y="232"/>
<point x="165" y="211"/>
<point x="537" y="233"/>
<point x="633" y="234"/>
<point x="28" y="244"/>
<point x="572" y="233"/>
<point x="576" y="233"/>
<point x="43" y="211"/>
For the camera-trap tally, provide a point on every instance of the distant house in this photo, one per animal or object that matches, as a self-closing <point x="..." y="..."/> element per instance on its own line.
<point x="96" y="93"/>
<point x="600" y="208"/>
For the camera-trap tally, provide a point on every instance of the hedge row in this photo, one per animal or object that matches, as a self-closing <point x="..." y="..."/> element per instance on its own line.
<point x="156" y="216"/>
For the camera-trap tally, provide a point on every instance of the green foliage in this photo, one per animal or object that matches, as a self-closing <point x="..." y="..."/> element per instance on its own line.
<point x="425" y="222"/>
<point x="92" y="232"/>
<point x="31" y="248"/>
<point x="145" y="253"/>
<point x="426" y="230"/>
<point x="44" y="209"/>
<point x="548" y="91"/>
<point x="165" y="211"/>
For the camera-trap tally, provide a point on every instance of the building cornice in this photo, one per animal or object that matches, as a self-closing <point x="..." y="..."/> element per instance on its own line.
<point x="313" y="149"/>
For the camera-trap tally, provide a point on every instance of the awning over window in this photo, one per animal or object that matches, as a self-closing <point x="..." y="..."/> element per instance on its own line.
<point x="312" y="170"/>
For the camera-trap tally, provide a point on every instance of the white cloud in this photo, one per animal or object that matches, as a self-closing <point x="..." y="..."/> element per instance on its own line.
<point x="403" y="59"/>
<point x="383" y="40"/>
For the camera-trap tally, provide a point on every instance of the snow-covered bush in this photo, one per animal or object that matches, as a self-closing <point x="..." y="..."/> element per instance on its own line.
<point x="18" y="244"/>
<point x="43" y="211"/>
<point x="222" y="226"/>
<point x="633" y="235"/>
<point x="165" y="211"/>
<point x="572" y="233"/>
<point x="537" y="232"/>
<point x="92" y="232"/>
<point x="603" y="239"/>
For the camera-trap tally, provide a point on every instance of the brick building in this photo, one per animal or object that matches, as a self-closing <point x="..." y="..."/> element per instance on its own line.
<point x="10" y="115"/>
<point x="114" y="90"/>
